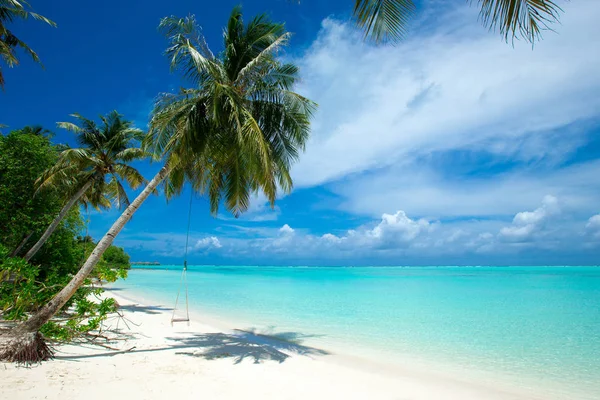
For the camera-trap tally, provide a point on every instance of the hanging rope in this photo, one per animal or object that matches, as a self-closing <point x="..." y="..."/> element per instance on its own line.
<point x="183" y="282"/>
<point x="85" y="237"/>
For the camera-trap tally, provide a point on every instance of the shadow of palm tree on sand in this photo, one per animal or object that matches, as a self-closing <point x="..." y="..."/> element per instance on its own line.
<point x="239" y="345"/>
<point x="248" y="344"/>
<point x="153" y="310"/>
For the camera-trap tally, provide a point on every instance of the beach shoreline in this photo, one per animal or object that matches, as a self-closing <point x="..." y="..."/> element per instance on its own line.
<point x="217" y="360"/>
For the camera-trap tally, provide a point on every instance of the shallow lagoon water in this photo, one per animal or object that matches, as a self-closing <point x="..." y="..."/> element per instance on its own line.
<point x="530" y="325"/>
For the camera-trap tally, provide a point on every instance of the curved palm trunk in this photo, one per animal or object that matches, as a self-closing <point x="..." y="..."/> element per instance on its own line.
<point x="52" y="227"/>
<point x="16" y="251"/>
<point x="34" y="323"/>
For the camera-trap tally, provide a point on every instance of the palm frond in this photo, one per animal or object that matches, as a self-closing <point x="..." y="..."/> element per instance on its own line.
<point x="265" y="55"/>
<point x="131" y="154"/>
<point x="117" y="193"/>
<point x="519" y="18"/>
<point x="71" y="127"/>
<point x="10" y="11"/>
<point x="130" y="175"/>
<point x="188" y="50"/>
<point x="384" y="20"/>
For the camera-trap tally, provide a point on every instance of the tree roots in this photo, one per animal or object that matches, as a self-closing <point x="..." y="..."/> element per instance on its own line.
<point x="25" y="348"/>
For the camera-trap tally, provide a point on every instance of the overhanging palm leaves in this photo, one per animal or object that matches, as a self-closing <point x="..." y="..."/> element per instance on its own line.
<point x="11" y="10"/>
<point x="387" y="20"/>
<point x="242" y="127"/>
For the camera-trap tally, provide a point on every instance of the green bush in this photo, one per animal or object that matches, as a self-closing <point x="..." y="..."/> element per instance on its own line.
<point x="26" y="287"/>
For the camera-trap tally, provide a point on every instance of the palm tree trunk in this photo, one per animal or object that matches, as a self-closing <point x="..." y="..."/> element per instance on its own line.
<point x="52" y="227"/>
<point x="16" y="251"/>
<point x="34" y="323"/>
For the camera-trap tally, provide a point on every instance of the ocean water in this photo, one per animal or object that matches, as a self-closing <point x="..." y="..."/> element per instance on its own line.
<point x="531" y="326"/>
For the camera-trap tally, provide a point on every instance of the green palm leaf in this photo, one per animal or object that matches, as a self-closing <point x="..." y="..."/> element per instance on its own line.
<point x="519" y="18"/>
<point x="384" y="20"/>
<point x="10" y="11"/>
<point x="387" y="20"/>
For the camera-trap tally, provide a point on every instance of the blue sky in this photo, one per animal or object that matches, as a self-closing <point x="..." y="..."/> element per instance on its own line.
<point x="452" y="147"/>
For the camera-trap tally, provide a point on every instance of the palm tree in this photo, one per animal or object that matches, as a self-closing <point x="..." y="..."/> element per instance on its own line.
<point x="82" y="173"/>
<point x="386" y="20"/>
<point x="11" y="10"/>
<point x="236" y="131"/>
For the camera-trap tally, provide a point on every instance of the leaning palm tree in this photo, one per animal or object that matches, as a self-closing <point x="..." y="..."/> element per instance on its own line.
<point x="387" y="20"/>
<point x="235" y="131"/>
<point x="11" y="10"/>
<point x="82" y="173"/>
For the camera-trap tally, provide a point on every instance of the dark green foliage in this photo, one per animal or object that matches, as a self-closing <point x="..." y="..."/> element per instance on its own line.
<point x="115" y="257"/>
<point x="25" y="287"/>
<point x="24" y="155"/>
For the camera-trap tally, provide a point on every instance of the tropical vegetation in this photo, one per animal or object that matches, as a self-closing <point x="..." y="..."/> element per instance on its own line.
<point x="27" y="286"/>
<point x="92" y="174"/>
<point x="235" y="131"/>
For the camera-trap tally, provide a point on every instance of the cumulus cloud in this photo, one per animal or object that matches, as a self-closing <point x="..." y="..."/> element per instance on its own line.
<point x="593" y="223"/>
<point x="527" y="224"/>
<point x="399" y="239"/>
<point x="394" y="231"/>
<point x="286" y="230"/>
<point x="593" y="227"/>
<point x="208" y="243"/>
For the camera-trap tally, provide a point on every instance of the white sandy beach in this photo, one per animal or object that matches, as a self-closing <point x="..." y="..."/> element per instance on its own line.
<point x="209" y="361"/>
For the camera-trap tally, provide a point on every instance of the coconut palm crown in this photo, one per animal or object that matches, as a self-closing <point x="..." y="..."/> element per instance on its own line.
<point x="105" y="152"/>
<point x="80" y="173"/>
<point x="240" y="127"/>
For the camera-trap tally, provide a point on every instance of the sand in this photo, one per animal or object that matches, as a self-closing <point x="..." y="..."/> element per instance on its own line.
<point x="209" y="360"/>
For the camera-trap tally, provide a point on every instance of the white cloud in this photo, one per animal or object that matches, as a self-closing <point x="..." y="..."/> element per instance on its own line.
<point x="593" y="223"/>
<point x="397" y="229"/>
<point x="207" y="243"/>
<point x="454" y="88"/>
<point x="393" y="231"/>
<point x="388" y="116"/>
<point x="421" y="190"/>
<point x="286" y="230"/>
<point x="398" y="239"/>
<point x="527" y="224"/>
<point x="592" y="228"/>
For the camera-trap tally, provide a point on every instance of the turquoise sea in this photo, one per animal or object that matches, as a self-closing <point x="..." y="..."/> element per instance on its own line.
<point x="527" y="326"/>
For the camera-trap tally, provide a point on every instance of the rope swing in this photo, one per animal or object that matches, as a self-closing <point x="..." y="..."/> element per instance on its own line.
<point x="183" y="284"/>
